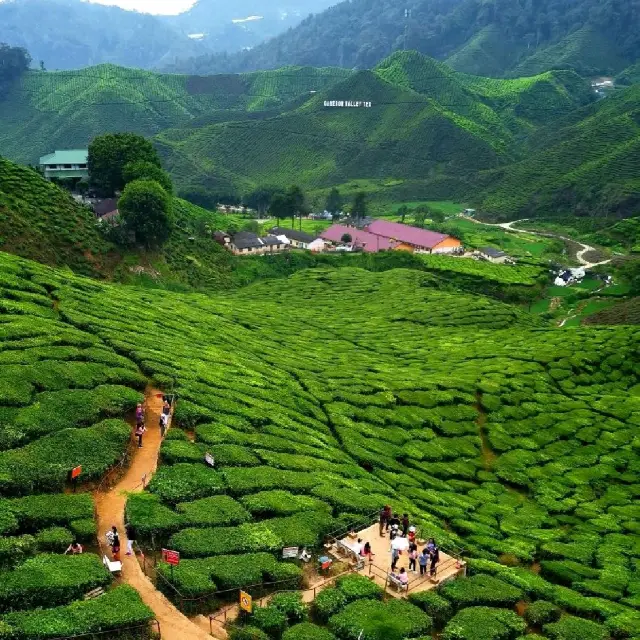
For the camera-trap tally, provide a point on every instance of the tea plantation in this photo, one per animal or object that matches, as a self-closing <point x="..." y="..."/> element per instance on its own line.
<point x="321" y="397"/>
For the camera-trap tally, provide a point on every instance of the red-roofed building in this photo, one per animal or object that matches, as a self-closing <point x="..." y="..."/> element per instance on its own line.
<point x="413" y="239"/>
<point x="360" y="240"/>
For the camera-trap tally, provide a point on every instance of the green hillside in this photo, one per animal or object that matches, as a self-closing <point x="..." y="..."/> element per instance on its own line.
<point x="463" y="124"/>
<point x="586" y="165"/>
<point x="44" y="111"/>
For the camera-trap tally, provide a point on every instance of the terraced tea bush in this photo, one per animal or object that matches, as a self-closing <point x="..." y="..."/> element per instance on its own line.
<point x="216" y="510"/>
<point x="280" y="503"/>
<point x="439" y="609"/>
<point x="118" y="607"/>
<point x="270" y="619"/>
<point x="367" y="618"/>
<point x="54" y="539"/>
<point x="181" y="482"/>
<point x="571" y="628"/>
<point x="541" y="612"/>
<point x="480" y="590"/>
<point x="307" y="631"/>
<point x="484" y="623"/>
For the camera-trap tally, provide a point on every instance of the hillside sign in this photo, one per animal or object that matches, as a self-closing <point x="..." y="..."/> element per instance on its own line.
<point x="171" y="557"/>
<point x="347" y="104"/>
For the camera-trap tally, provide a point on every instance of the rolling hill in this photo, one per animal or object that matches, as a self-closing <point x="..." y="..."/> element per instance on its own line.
<point x="463" y="124"/>
<point x="43" y="111"/>
<point x="585" y="165"/>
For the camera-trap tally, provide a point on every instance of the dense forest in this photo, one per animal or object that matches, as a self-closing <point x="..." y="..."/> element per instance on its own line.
<point x="499" y="34"/>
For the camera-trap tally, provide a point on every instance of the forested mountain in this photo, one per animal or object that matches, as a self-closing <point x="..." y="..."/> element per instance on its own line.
<point x="486" y="37"/>
<point x="79" y="34"/>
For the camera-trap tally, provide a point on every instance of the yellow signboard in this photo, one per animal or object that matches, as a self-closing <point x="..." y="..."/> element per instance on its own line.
<point x="245" y="602"/>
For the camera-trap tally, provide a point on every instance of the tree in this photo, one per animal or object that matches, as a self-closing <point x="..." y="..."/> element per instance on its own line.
<point x="346" y="238"/>
<point x="260" y="198"/>
<point x="144" y="170"/>
<point x="145" y="208"/>
<point x="110" y="153"/>
<point x="280" y="206"/>
<point x="14" y="61"/>
<point x="402" y="212"/>
<point x="334" y="202"/>
<point x="297" y="203"/>
<point x="359" y="206"/>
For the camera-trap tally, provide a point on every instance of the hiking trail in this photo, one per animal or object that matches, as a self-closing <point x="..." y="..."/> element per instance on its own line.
<point x="110" y="506"/>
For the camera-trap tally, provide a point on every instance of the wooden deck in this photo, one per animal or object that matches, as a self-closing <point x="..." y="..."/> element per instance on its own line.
<point x="447" y="569"/>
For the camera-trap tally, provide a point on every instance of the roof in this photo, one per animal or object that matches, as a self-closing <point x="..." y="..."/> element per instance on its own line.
<point x="292" y="234"/>
<point x="103" y="207"/>
<point x="368" y="241"/>
<point x="246" y="240"/>
<point x="405" y="233"/>
<point x="66" y="156"/>
<point x="271" y="241"/>
<point x="492" y="253"/>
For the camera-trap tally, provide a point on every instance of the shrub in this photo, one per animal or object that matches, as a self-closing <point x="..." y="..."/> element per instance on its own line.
<point x="307" y="631"/>
<point x="83" y="530"/>
<point x="541" y="612"/>
<point x="280" y="503"/>
<point x="572" y="628"/>
<point x="182" y="482"/>
<point x="484" y="623"/>
<point x="40" y="511"/>
<point x="394" y="619"/>
<point x="247" y="633"/>
<point x="233" y="455"/>
<point x="356" y="587"/>
<point x="625" y="625"/>
<point x="175" y="451"/>
<point x="216" y="510"/>
<point x="305" y="529"/>
<point x="270" y="619"/>
<point x="433" y="604"/>
<point x="15" y="549"/>
<point x="291" y="605"/>
<point x="50" y="580"/>
<point x="328" y="602"/>
<point x="55" y="539"/>
<point x="151" y="517"/>
<point x="480" y="590"/>
<point x="119" y="607"/>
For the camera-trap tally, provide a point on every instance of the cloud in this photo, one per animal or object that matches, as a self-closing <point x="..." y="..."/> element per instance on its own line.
<point x="158" y="7"/>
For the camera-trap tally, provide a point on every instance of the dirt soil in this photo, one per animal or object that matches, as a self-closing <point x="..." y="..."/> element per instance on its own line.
<point x="110" y="506"/>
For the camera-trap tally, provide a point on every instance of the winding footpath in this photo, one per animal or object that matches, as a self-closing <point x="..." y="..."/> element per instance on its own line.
<point x="585" y="248"/>
<point x="110" y="506"/>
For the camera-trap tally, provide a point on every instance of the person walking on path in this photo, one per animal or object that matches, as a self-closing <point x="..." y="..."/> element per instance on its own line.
<point x="139" y="414"/>
<point x="435" y="558"/>
<point x="114" y="542"/>
<point x="405" y="525"/>
<point x="166" y="407"/>
<point x="385" y="514"/>
<point x="413" y="556"/>
<point x="140" y="429"/>
<point x="132" y="536"/>
<point x="164" y="421"/>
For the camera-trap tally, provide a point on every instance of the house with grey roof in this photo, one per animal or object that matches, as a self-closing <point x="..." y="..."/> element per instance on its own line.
<point x="66" y="163"/>
<point x="493" y="255"/>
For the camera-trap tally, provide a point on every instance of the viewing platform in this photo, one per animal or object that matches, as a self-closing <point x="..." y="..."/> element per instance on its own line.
<point x="378" y="567"/>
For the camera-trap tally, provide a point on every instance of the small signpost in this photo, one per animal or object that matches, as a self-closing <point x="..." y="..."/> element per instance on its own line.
<point x="290" y="552"/>
<point x="171" y="558"/>
<point x="209" y="459"/>
<point x="75" y="474"/>
<point x="246" y="602"/>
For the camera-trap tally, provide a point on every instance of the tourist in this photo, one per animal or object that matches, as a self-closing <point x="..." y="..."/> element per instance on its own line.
<point x="393" y="534"/>
<point x="75" y="548"/>
<point x="413" y="556"/>
<point x="395" y="555"/>
<point x="435" y="558"/>
<point x="140" y="429"/>
<point x="385" y="514"/>
<point x="114" y="541"/>
<point x="139" y="415"/>
<point x="405" y="525"/>
<point x="431" y="545"/>
<point x="422" y="561"/>
<point x="366" y="551"/>
<point x="394" y="520"/>
<point x="411" y="536"/>
<point x="357" y="547"/>
<point x="166" y="407"/>
<point x="132" y="536"/>
<point x="403" y="577"/>
<point x="164" y="421"/>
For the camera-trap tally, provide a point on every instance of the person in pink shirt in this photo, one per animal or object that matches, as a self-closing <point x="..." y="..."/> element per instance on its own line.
<point x="403" y="576"/>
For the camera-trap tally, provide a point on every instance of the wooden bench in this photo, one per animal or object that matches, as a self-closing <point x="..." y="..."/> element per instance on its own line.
<point x="113" y="566"/>
<point x="396" y="584"/>
<point x="94" y="593"/>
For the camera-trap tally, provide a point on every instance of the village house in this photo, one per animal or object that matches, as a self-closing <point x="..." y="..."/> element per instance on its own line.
<point x="493" y="255"/>
<point x="67" y="163"/>
<point x="248" y="243"/>
<point x="413" y="239"/>
<point x="296" y="239"/>
<point x="360" y="240"/>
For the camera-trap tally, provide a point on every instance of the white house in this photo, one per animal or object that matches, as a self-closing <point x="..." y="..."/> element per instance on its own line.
<point x="493" y="255"/>
<point x="297" y="239"/>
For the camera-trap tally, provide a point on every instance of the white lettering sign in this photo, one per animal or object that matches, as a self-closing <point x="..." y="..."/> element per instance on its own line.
<point x="347" y="104"/>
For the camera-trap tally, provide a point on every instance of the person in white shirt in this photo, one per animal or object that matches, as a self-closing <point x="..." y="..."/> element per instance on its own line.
<point x="357" y="547"/>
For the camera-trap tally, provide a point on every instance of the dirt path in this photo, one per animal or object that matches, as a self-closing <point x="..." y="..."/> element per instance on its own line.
<point x="110" y="511"/>
<point x="585" y="248"/>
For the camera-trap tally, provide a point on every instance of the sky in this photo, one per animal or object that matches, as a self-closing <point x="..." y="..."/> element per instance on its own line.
<point x="164" y="7"/>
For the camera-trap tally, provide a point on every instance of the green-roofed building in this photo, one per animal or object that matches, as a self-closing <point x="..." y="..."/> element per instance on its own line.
<point x="67" y="163"/>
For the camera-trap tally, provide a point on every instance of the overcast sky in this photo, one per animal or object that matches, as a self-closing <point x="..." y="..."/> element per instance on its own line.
<point x="152" y="6"/>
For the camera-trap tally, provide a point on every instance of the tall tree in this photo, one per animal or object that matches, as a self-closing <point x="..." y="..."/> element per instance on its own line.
<point x="402" y="212"/>
<point x="297" y="203"/>
<point x="110" y="153"/>
<point x="359" y="206"/>
<point x="14" y="61"/>
<point x="260" y="198"/>
<point x="145" y="208"/>
<point x="334" y="202"/>
<point x="280" y="206"/>
<point x="144" y="170"/>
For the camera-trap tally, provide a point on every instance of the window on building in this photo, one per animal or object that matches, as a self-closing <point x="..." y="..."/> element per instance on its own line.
<point x="67" y="166"/>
